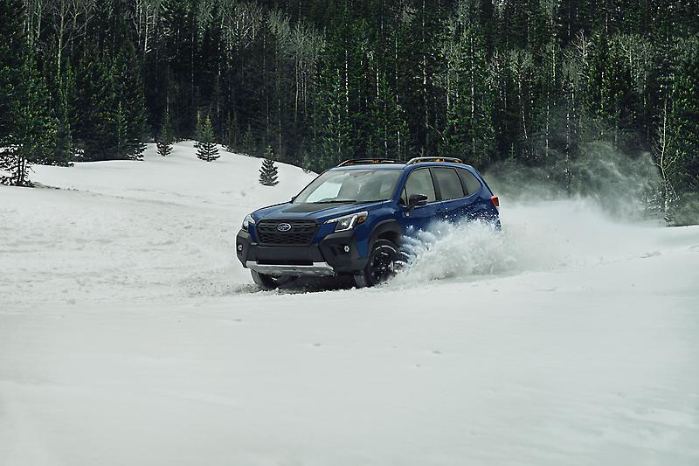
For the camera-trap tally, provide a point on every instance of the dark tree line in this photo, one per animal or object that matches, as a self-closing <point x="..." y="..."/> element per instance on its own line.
<point x="532" y="81"/>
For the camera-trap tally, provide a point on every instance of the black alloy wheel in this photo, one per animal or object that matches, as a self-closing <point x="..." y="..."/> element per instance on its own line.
<point x="381" y="265"/>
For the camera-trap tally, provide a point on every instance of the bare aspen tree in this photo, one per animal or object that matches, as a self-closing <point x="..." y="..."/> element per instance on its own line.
<point x="70" y="21"/>
<point x="145" y="19"/>
<point x="665" y="159"/>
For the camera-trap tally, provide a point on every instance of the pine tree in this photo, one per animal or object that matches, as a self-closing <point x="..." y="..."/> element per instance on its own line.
<point x="12" y="49"/>
<point x="109" y="98"/>
<point x="63" y="153"/>
<point x="249" y="146"/>
<point x="469" y="130"/>
<point x="23" y="100"/>
<point x="121" y="128"/>
<point x="268" y="171"/>
<point x="129" y="92"/>
<point x="96" y="102"/>
<point x="388" y="131"/>
<point x="165" y="138"/>
<point x="14" y="167"/>
<point x="333" y="126"/>
<point x="232" y="133"/>
<point x="677" y="147"/>
<point x="206" y="147"/>
<point x="33" y="134"/>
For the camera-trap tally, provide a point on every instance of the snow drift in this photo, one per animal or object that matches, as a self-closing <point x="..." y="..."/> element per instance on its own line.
<point x="567" y="338"/>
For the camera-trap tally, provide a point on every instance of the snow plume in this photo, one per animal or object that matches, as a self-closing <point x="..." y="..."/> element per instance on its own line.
<point x="619" y="183"/>
<point x="472" y="250"/>
<point x="454" y="250"/>
<point x="551" y="220"/>
<point x="536" y="236"/>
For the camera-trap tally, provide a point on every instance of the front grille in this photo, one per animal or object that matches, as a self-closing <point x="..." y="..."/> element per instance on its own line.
<point x="301" y="232"/>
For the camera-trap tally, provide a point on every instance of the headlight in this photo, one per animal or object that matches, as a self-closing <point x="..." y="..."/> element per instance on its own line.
<point x="348" y="221"/>
<point x="248" y="221"/>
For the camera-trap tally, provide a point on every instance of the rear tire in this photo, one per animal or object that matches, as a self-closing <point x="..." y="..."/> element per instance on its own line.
<point x="267" y="282"/>
<point x="381" y="265"/>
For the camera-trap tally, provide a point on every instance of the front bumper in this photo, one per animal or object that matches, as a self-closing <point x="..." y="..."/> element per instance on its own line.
<point x="335" y="254"/>
<point x="317" y="269"/>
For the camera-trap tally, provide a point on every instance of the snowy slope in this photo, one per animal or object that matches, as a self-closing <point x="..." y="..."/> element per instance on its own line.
<point x="161" y="228"/>
<point x="129" y="334"/>
<point x="181" y="178"/>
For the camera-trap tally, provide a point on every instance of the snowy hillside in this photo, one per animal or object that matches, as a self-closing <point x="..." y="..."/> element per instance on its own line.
<point x="181" y="178"/>
<point x="130" y="334"/>
<point x="161" y="228"/>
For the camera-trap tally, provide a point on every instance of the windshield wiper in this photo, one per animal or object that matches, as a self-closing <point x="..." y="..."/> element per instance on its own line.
<point x="334" y="201"/>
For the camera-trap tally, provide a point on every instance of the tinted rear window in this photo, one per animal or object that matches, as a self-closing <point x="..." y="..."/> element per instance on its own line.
<point x="449" y="183"/>
<point x="471" y="183"/>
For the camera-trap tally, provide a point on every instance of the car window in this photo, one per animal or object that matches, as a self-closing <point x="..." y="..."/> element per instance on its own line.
<point x="449" y="183"/>
<point x="420" y="182"/>
<point x="471" y="183"/>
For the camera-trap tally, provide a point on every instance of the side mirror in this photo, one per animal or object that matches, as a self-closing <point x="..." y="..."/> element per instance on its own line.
<point x="416" y="200"/>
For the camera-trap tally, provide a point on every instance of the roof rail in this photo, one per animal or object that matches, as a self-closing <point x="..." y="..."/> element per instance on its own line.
<point x="366" y="161"/>
<point x="434" y="159"/>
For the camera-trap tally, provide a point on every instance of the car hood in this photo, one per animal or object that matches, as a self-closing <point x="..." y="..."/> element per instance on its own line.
<point x="316" y="212"/>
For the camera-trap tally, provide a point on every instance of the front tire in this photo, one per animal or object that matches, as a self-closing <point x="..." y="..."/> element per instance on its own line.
<point x="267" y="282"/>
<point x="381" y="265"/>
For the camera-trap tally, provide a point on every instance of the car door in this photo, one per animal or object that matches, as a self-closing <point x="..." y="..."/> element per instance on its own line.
<point x="474" y="204"/>
<point x="417" y="218"/>
<point x="451" y="194"/>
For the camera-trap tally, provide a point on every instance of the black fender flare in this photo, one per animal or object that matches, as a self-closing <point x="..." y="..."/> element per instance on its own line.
<point x="390" y="228"/>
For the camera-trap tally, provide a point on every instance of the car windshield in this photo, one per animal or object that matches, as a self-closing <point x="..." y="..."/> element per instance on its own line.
<point x="352" y="185"/>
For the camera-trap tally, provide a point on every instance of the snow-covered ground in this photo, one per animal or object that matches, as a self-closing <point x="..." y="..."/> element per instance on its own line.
<point x="130" y="334"/>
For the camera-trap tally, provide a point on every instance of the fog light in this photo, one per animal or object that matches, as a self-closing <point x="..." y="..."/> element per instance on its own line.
<point x="240" y="247"/>
<point x="346" y="248"/>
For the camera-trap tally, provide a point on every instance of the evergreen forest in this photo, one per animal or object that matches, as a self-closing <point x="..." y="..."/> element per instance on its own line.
<point x="536" y="83"/>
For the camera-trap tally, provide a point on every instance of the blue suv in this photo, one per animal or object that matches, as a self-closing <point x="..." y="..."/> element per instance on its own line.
<point x="351" y="218"/>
